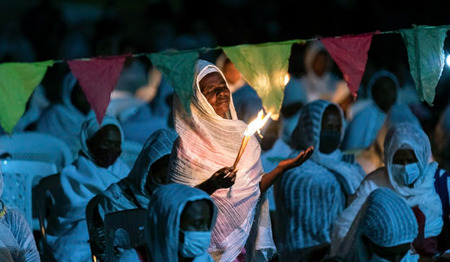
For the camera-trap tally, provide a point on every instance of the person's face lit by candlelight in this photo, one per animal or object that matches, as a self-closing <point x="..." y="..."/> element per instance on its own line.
<point x="215" y="90"/>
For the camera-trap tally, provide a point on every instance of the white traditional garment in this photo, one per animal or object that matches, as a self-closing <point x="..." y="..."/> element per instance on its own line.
<point x="81" y="181"/>
<point x="117" y="196"/>
<point x="163" y="225"/>
<point x="386" y="220"/>
<point x="317" y="87"/>
<point x="16" y="239"/>
<point x="64" y="120"/>
<point x="363" y="128"/>
<point x="423" y="195"/>
<point x="310" y="197"/>
<point x="208" y="143"/>
<point x="371" y="158"/>
<point x="37" y="103"/>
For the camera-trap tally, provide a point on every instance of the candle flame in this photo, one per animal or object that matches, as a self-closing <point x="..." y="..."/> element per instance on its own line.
<point x="287" y="78"/>
<point x="257" y="124"/>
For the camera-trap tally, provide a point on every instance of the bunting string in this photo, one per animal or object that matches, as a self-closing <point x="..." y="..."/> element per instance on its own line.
<point x="262" y="70"/>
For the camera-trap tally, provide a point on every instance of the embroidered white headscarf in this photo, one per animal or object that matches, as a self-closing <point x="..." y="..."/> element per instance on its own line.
<point x="385" y="219"/>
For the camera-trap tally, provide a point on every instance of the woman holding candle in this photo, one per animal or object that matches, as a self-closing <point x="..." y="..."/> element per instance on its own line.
<point x="209" y="140"/>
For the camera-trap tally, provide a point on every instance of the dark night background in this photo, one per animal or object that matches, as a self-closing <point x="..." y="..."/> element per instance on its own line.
<point x="83" y="28"/>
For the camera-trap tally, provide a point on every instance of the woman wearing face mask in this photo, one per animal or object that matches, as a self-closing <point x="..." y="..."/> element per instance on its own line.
<point x="180" y="220"/>
<point x="411" y="174"/>
<point x="92" y="172"/>
<point x="147" y="175"/>
<point x="382" y="231"/>
<point x="310" y="197"/>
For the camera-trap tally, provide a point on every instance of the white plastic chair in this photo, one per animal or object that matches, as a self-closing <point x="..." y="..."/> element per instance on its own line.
<point x="37" y="146"/>
<point x="19" y="177"/>
<point x="130" y="151"/>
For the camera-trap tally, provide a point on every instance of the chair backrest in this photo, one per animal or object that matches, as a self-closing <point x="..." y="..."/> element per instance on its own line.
<point x="130" y="151"/>
<point x="37" y="146"/>
<point x="19" y="177"/>
<point x="95" y="227"/>
<point x="44" y="195"/>
<point x="132" y="222"/>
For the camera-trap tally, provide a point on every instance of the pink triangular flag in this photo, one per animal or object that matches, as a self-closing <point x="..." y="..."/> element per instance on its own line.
<point x="97" y="78"/>
<point x="350" y="54"/>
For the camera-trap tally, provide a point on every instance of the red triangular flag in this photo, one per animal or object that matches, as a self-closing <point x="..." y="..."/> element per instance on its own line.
<point x="97" y="78"/>
<point x="350" y="54"/>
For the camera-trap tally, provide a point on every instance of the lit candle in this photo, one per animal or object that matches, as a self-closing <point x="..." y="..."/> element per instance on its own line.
<point x="251" y="129"/>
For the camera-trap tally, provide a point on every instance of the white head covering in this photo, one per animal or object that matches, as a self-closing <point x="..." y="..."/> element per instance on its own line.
<point x="317" y="86"/>
<point x="163" y="224"/>
<point x="385" y="219"/>
<point x="423" y="194"/>
<point x="37" y="103"/>
<point x="159" y="144"/>
<point x="379" y="74"/>
<point x="64" y="120"/>
<point x="307" y="133"/>
<point x="361" y="132"/>
<point x="69" y="83"/>
<point x="311" y="52"/>
<point x="208" y="143"/>
<point x="90" y="127"/>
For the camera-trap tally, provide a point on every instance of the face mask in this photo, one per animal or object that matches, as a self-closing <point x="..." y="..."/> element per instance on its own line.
<point x="406" y="174"/>
<point x="195" y="243"/>
<point x="105" y="157"/>
<point x="329" y="141"/>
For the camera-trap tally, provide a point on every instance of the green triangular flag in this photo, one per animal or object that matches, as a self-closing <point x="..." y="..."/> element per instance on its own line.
<point x="17" y="82"/>
<point x="264" y="67"/>
<point x="179" y="69"/>
<point x="426" y="58"/>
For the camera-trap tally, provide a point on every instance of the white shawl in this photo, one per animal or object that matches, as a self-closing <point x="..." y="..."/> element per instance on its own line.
<point x="80" y="182"/>
<point x="207" y="143"/>
<point x="114" y="199"/>
<point x="422" y="194"/>
<point x="310" y="197"/>
<point x="64" y="120"/>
